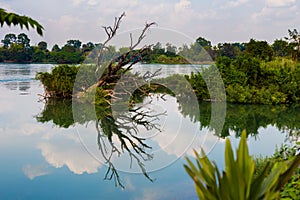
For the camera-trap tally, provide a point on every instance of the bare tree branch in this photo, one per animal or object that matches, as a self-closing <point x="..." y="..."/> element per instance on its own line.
<point x="110" y="32"/>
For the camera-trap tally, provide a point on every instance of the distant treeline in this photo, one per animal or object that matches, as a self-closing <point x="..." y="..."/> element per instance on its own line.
<point x="17" y="48"/>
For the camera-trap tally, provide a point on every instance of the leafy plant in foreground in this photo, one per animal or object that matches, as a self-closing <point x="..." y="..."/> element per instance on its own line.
<point x="15" y="19"/>
<point x="291" y="189"/>
<point x="238" y="181"/>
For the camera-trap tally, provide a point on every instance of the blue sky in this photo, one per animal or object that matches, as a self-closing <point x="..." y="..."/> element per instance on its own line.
<point x="216" y="20"/>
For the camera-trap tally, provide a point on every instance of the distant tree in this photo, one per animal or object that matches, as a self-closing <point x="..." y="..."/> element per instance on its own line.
<point x="240" y="46"/>
<point x="88" y="47"/>
<point x="17" y="48"/>
<point x="68" y="48"/>
<point x="281" y="48"/>
<point x="2" y="54"/>
<point x="23" y="40"/>
<point x="158" y="49"/>
<point x="170" y="50"/>
<point x="38" y="55"/>
<point x="183" y="50"/>
<point x="55" y="48"/>
<point x="294" y="38"/>
<point x="42" y="45"/>
<point x="15" y="19"/>
<point x="203" y="42"/>
<point x="259" y="49"/>
<point x="228" y="50"/>
<point x="9" y="39"/>
<point x="74" y="43"/>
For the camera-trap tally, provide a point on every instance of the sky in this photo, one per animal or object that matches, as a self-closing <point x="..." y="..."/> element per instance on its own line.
<point x="216" y="20"/>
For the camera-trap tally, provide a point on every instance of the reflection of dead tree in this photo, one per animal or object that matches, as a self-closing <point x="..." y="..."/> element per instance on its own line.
<point x="148" y="75"/>
<point x="125" y="128"/>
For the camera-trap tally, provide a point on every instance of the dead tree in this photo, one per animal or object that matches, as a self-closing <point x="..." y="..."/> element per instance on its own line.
<point x="122" y="64"/>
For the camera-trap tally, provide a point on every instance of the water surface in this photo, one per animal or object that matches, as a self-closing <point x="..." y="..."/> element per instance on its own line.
<point x="47" y="154"/>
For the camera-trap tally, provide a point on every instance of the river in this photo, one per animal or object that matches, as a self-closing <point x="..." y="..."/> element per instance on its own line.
<point x="48" y="152"/>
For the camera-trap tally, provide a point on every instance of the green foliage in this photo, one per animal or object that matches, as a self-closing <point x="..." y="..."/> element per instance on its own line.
<point x="294" y="38"/>
<point x="59" y="82"/>
<point x="59" y="111"/>
<point x="238" y="180"/>
<point x="250" y="80"/>
<point x="291" y="189"/>
<point x="18" y="49"/>
<point x="23" y="21"/>
<point x="281" y="48"/>
<point x="259" y="49"/>
<point x="199" y="86"/>
<point x="203" y="42"/>
<point x="229" y="50"/>
<point x="164" y="59"/>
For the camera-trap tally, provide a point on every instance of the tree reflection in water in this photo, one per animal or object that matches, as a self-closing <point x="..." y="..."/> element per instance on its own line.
<point x="126" y="128"/>
<point x="123" y="126"/>
<point x="118" y="133"/>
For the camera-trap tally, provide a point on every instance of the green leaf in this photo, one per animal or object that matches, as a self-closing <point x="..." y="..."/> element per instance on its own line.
<point x="231" y="170"/>
<point x="15" y="19"/>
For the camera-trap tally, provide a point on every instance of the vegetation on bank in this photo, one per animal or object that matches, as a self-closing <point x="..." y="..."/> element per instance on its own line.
<point x="249" y="80"/>
<point x="253" y="72"/>
<point x="17" y="48"/>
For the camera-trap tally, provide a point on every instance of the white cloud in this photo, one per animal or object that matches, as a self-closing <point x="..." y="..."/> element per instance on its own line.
<point x="89" y="2"/>
<point x="69" y="154"/>
<point x="66" y="22"/>
<point x="66" y="27"/>
<point x="35" y="171"/>
<point x="275" y="14"/>
<point x="280" y="3"/>
<point x="236" y="3"/>
<point x="182" y="5"/>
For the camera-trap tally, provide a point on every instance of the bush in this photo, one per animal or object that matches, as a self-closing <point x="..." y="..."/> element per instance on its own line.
<point x="250" y="80"/>
<point x="59" y="82"/>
